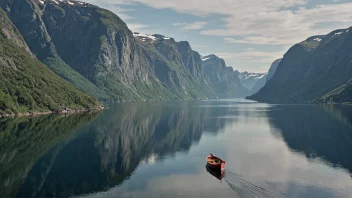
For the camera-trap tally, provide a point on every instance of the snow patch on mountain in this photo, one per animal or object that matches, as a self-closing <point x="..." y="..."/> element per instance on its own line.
<point x="204" y="58"/>
<point x="248" y="80"/>
<point x="246" y="75"/>
<point x="337" y="33"/>
<point x="148" y="37"/>
<point x="208" y="57"/>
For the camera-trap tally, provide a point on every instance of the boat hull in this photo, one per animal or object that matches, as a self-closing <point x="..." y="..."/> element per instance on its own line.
<point x="215" y="162"/>
<point x="217" y="173"/>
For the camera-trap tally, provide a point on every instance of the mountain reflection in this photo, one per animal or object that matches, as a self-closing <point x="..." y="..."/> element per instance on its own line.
<point x="23" y="141"/>
<point x="105" y="152"/>
<point x="317" y="131"/>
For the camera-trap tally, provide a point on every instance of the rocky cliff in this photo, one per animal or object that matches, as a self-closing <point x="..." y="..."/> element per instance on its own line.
<point x="273" y="68"/>
<point x="27" y="16"/>
<point x="259" y="84"/>
<point x="26" y="84"/>
<point x="223" y="78"/>
<point x="176" y="66"/>
<point x="310" y="69"/>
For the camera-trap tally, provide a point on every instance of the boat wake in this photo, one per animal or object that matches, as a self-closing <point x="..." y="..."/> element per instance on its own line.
<point x="245" y="189"/>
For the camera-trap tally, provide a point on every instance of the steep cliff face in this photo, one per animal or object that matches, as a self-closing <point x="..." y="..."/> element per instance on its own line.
<point x="102" y="49"/>
<point x="176" y="65"/>
<point x="26" y="84"/>
<point x="310" y="69"/>
<point x="27" y="16"/>
<point x="259" y="84"/>
<point x="10" y="32"/>
<point x="273" y="68"/>
<point x="88" y="46"/>
<point x="223" y="78"/>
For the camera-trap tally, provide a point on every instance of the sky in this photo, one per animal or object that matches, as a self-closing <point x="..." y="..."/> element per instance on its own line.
<point x="248" y="34"/>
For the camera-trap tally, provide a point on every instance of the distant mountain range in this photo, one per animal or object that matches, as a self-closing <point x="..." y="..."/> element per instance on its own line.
<point x="318" y="70"/>
<point x="252" y="81"/>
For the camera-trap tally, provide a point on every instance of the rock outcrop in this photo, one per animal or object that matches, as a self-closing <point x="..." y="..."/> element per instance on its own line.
<point x="273" y="68"/>
<point x="224" y="79"/>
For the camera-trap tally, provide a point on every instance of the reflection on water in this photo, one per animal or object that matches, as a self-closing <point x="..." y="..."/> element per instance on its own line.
<point x="323" y="132"/>
<point x="23" y="141"/>
<point x="158" y="150"/>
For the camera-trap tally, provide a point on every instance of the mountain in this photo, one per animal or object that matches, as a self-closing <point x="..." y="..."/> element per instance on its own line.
<point x="311" y="69"/>
<point x="27" y="15"/>
<point x="273" y="68"/>
<point x="261" y="78"/>
<point x="223" y="78"/>
<point x="93" y="49"/>
<point x="176" y="66"/>
<point x="88" y="46"/>
<point x="248" y="80"/>
<point x="26" y="84"/>
<point x="259" y="84"/>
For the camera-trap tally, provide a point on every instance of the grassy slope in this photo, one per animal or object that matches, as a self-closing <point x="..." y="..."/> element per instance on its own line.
<point x="27" y="85"/>
<point x="342" y="94"/>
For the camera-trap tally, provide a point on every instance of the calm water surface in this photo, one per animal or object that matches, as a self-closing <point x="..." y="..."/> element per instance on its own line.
<point x="159" y="150"/>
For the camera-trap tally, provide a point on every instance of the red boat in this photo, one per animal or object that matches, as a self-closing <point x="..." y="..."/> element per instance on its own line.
<point x="215" y="162"/>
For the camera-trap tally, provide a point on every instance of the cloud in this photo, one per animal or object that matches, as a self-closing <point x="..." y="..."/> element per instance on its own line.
<point x="253" y="56"/>
<point x="273" y="22"/>
<point x="197" y="25"/>
<point x="137" y="27"/>
<point x="200" y="46"/>
<point x="113" y="7"/>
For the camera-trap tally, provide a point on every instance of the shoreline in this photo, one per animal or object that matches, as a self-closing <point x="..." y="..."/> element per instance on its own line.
<point x="65" y="112"/>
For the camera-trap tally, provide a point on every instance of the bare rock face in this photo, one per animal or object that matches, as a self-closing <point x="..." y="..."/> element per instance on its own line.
<point x="176" y="66"/>
<point x="224" y="79"/>
<point x="10" y="32"/>
<point x="273" y="68"/>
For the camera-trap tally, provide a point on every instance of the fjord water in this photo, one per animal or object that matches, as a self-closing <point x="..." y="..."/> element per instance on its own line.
<point x="158" y="150"/>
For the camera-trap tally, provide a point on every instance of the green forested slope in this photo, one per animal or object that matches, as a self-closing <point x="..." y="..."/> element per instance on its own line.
<point x="27" y="85"/>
